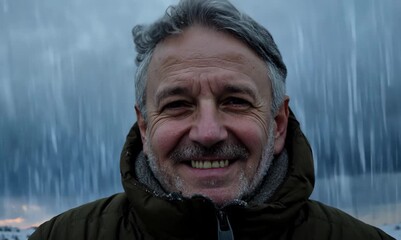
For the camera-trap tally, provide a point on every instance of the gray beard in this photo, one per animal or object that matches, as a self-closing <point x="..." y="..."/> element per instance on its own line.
<point x="256" y="190"/>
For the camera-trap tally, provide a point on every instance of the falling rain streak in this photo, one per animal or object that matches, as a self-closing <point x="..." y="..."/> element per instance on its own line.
<point x="66" y="98"/>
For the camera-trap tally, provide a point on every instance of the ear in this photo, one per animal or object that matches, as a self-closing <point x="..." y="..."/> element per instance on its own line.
<point x="142" y="128"/>
<point x="281" y="121"/>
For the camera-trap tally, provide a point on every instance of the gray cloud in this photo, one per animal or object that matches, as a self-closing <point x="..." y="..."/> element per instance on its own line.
<point x="66" y="88"/>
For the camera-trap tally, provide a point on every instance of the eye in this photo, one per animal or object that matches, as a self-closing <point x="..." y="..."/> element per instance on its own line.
<point x="236" y="102"/>
<point x="175" y="105"/>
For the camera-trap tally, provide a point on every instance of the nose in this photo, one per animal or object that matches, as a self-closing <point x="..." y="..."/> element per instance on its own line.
<point x="208" y="128"/>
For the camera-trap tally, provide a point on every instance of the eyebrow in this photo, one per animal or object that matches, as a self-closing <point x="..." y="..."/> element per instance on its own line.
<point x="177" y="90"/>
<point x="170" y="91"/>
<point x="240" y="89"/>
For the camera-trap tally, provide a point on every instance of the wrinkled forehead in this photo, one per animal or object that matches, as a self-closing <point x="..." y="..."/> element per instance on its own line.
<point x="203" y="46"/>
<point x="200" y="55"/>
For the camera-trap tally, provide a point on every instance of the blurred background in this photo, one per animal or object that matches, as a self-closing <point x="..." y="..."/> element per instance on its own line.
<point x="67" y="99"/>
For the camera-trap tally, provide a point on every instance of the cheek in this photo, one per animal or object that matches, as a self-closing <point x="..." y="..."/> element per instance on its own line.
<point x="252" y="132"/>
<point x="254" y="140"/>
<point x="164" y="136"/>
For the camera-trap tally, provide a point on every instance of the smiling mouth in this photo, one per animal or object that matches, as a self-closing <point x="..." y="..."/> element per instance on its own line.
<point x="209" y="164"/>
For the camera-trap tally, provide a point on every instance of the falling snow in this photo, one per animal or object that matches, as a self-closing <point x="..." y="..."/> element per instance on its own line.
<point x="66" y="98"/>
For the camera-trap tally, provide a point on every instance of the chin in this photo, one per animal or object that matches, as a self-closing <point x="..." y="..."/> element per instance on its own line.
<point x="218" y="196"/>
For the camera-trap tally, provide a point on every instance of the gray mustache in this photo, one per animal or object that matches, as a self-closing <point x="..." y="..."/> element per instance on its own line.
<point x="222" y="150"/>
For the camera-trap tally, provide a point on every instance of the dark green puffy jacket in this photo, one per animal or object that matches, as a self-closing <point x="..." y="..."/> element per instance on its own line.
<point x="138" y="214"/>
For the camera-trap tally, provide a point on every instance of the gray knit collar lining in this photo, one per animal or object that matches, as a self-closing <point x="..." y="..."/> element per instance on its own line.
<point x="272" y="180"/>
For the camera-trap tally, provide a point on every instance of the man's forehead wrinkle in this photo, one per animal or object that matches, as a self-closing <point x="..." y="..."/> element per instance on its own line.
<point x="189" y="77"/>
<point x="185" y="71"/>
<point x="174" y="61"/>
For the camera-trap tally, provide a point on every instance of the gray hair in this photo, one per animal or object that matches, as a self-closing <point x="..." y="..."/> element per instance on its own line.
<point x="217" y="14"/>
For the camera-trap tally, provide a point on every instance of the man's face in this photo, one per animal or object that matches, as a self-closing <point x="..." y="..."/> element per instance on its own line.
<point x="209" y="129"/>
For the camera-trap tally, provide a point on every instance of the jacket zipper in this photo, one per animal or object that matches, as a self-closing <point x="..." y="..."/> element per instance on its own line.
<point x="224" y="231"/>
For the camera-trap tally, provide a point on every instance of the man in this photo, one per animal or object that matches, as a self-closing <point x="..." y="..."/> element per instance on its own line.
<point x="216" y="153"/>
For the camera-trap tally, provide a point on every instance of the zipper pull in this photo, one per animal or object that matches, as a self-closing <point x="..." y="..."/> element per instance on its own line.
<point x="224" y="231"/>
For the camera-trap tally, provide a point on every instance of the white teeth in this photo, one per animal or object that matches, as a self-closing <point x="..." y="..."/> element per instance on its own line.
<point x="215" y="164"/>
<point x="209" y="164"/>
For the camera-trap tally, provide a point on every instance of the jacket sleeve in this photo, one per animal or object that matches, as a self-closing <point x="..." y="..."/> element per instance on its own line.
<point x="43" y="231"/>
<point x="37" y="235"/>
<point x="384" y="236"/>
<point x="104" y="218"/>
<point x="325" y="222"/>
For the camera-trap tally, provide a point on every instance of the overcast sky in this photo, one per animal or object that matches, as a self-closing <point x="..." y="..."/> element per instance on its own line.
<point x="66" y="93"/>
